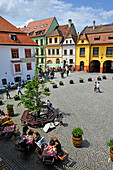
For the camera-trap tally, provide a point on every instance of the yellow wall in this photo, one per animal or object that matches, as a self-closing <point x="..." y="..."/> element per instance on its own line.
<point x="54" y="46"/>
<point x="85" y="42"/>
<point x="102" y="53"/>
<point x="85" y="58"/>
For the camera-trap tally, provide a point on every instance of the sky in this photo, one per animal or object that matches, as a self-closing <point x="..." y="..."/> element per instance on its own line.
<point x="82" y="12"/>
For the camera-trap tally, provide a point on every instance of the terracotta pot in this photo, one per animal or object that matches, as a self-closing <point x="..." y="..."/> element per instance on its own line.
<point x="111" y="154"/>
<point x="10" y="112"/>
<point x="77" y="141"/>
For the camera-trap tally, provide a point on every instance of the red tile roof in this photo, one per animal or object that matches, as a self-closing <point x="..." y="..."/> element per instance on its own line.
<point x="60" y="30"/>
<point x="39" y="25"/>
<point x="7" y="29"/>
<point x="99" y="35"/>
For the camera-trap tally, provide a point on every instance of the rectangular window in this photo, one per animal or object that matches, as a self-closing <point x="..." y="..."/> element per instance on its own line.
<point x="96" y="51"/>
<point x="37" y="51"/>
<point x="27" y="53"/>
<point x="109" y="51"/>
<point x="50" y="40"/>
<point x="82" y="51"/>
<point x="42" y="51"/>
<point x="29" y="66"/>
<point x="97" y="38"/>
<point x="4" y="81"/>
<point x="66" y="41"/>
<point x="71" y="52"/>
<point x="14" y="53"/>
<point x="53" y="51"/>
<point x="55" y="40"/>
<point x="71" y="61"/>
<point x="57" y="51"/>
<point x="42" y="60"/>
<point x="41" y="42"/>
<point x="49" y="52"/>
<point x="70" y="41"/>
<point x="110" y="38"/>
<point x="65" y="52"/>
<point x="14" y="37"/>
<point x="37" y="41"/>
<point x="17" y="68"/>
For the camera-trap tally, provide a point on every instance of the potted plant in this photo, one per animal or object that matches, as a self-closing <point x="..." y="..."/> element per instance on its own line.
<point x="61" y="83"/>
<point x="46" y="89"/>
<point x="16" y="97"/>
<point x="98" y="78"/>
<point x="104" y="77"/>
<point x="54" y="85"/>
<point x="1" y="102"/>
<point x="71" y="81"/>
<point x="77" y="137"/>
<point x="10" y="110"/>
<point x="81" y="80"/>
<point x="110" y="144"/>
<point x="89" y="79"/>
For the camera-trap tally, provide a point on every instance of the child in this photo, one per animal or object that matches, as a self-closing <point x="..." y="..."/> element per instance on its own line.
<point x="61" y="119"/>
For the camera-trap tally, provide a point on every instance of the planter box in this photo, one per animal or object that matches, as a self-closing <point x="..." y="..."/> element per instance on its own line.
<point x="1" y="103"/>
<point x="61" y="83"/>
<point x="81" y="81"/>
<point x="71" y="82"/>
<point x="99" y="78"/>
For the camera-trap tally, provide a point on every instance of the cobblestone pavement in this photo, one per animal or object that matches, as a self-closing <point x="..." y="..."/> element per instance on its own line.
<point x="81" y="107"/>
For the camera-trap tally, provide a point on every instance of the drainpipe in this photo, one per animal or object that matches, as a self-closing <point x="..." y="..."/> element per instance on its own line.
<point x="89" y="57"/>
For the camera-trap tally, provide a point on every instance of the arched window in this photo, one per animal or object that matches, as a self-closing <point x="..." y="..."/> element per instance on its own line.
<point x="57" y="61"/>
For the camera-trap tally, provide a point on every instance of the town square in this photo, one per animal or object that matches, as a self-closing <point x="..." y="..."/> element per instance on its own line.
<point x="56" y="85"/>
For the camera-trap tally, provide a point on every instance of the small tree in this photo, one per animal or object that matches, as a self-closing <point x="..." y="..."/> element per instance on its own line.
<point x="32" y="99"/>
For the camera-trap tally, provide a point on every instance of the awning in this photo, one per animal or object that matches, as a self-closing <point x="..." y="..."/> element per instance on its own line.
<point x="58" y="64"/>
<point x="49" y="64"/>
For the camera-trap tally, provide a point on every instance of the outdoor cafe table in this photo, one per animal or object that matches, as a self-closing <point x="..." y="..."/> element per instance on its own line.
<point x="8" y="129"/>
<point x="29" y="138"/>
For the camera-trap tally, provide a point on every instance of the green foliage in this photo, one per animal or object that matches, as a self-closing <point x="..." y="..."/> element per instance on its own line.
<point x="77" y="131"/>
<point x="9" y="106"/>
<point x="110" y="143"/>
<point x="54" y="85"/>
<point x="61" y="83"/>
<point x="32" y="99"/>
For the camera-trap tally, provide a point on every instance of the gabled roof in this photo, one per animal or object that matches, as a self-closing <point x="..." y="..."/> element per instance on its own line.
<point x="40" y="25"/>
<point x="8" y="27"/>
<point x="65" y="32"/>
<point x="99" y="35"/>
<point x="98" y="29"/>
<point x="7" y="30"/>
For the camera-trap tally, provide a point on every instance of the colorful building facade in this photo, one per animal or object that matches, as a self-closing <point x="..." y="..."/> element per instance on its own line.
<point x="94" y="49"/>
<point x="57" y="45"/>
<point x="38" y="32"/>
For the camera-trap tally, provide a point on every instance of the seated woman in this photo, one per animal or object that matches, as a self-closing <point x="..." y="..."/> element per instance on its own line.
<point x="37" y="137"/>
<point x="30" y="132"/>
<point x="58" y="147"/>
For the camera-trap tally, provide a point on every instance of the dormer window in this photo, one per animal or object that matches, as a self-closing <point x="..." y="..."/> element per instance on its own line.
<point x="97" y="38"/>
<point x="110" y="38"/>
<point x="82" y="41"/>
<point x="40" y="32"/>
<point x="14" y="37"/>
<point x="35" y="27"/>
<point x="46" y="25"/>
<point x="31" y="33"/>
<point x="41" y="26"/>
<point x="27" y="28"/>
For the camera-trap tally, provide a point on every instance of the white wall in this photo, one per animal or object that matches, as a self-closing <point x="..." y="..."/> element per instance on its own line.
<point x="7" y="68"/>
<point x="69" y="46"/>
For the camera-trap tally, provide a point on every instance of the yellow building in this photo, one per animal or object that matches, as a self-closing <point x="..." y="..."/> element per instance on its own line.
<point x="94" y="49"/>
<point x="55" y="40"/>
<point x="54" y="50"/>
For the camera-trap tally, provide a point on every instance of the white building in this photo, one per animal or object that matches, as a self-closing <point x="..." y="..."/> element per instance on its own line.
<point x="17" y="60"/>
<point x="69" y="46"/>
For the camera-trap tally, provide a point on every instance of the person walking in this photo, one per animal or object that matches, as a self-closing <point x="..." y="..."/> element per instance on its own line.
<point x="98" y="87"/>
<point x="7" y="94"/>
<point x="19" y="90"/>
<point x="61" y="119"/>
<point x="95" y="86"/>
<point x="67" y="71"/>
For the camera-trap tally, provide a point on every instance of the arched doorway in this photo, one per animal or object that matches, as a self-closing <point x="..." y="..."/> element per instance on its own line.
<point x="49" y="63"/>
<point x="95" y="66"/>
<point x="108" y="66"/>
<point x="81" y="66"/>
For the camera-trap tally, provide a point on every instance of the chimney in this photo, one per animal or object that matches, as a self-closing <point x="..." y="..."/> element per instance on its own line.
<point x="24" y="26"/>
<point x="70" y="22"/>
<point x="78" y="35"/>
<point x="93" y="25"/>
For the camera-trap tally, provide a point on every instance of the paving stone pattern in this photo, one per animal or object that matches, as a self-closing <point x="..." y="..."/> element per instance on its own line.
<point x="81" y="107"/>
